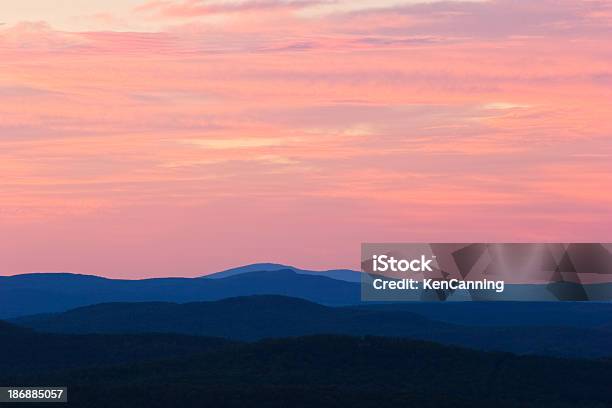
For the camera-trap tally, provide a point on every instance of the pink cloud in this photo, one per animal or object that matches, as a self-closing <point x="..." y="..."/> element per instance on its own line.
<point x="500" y="18"/>
<point x="198" y="8"/>
<point x="279" y="137"/>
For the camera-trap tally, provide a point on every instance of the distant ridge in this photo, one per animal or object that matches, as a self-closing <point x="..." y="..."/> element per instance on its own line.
<point x="339" y="274"/>
<point x="49" y="293"/>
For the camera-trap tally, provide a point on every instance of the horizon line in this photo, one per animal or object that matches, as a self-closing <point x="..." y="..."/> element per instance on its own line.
<point x="277" y="266"/>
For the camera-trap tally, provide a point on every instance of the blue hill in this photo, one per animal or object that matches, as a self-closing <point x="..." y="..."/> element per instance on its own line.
<point x="256" y="317"/>
<point x="338" y="274"/>
<point x="47" y="293"/>
<point x="51" y="293"/>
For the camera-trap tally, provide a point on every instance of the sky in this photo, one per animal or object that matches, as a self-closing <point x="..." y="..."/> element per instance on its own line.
<point x="182" y="137"/>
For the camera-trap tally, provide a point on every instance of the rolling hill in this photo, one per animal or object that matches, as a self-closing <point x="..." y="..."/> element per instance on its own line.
<point x="25" y="351"/>
<point x="257" y="317"/>
<point x="29" y="294"/>
<point x="47" y="293"/>
<point x="333" y="371"/>
<point x="339" y="274"/>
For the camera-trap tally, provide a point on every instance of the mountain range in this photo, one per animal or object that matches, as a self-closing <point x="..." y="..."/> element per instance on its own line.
<point x="52" y="292"/>
<point x="268" y="335"/>
<point x="257" y="317"/>
<point x="29" y="294"/>
<point x="347" y="275"/>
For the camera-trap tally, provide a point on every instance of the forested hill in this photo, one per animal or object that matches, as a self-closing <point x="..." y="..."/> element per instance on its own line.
<point x="338" y="371"/>
<point x="256" y="317"/>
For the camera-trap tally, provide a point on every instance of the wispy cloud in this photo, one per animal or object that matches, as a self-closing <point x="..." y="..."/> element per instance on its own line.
<point x="198" y="8"/>
<point x="300" y="125"/>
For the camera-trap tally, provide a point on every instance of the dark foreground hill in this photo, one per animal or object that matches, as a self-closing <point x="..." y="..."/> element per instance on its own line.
<point x="257" y="317"/>
<point x="25" y="351"/>
<point x="332" y="371"/>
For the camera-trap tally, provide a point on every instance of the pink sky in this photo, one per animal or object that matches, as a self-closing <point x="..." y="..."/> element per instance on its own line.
<point x="182" y="137"/>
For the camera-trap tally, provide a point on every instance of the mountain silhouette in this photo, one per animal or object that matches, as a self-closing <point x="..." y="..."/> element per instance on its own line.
<point x="257" y="317"/>
<point x="29" y="294"/>
<point x="47" y="293"/>
<point x="339" y="274"/>
<point x="26" y="351"/>
<point x="331" y="371"/>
